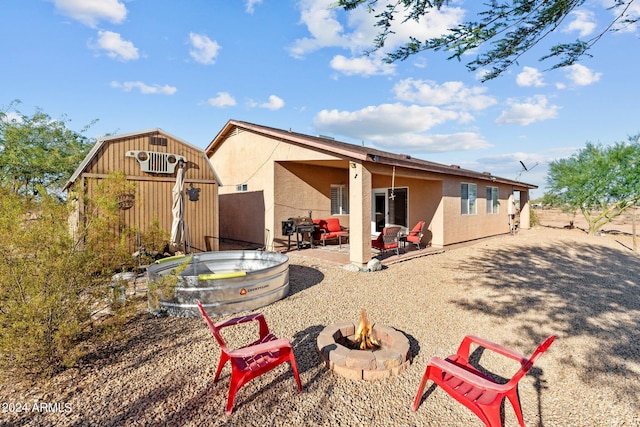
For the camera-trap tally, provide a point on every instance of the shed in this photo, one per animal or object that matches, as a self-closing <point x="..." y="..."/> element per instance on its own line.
<point x="152" y="159"/>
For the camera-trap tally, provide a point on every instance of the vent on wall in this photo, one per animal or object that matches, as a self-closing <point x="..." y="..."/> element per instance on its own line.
<point x="155" y="162"/>
<point x="157" y="140"/>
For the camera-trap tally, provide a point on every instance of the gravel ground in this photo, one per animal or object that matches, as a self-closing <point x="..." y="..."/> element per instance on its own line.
<point x="515" y="290"/>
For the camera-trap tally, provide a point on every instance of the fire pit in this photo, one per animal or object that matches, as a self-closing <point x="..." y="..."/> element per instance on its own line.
<point x="364" y="351"/>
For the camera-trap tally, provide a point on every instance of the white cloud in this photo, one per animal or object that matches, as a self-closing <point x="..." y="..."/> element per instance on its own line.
<point x="144" y="88"/>
<point x="362" y="65"/>
<point x="533" y="110"/>
<point x="204" y="49"/>
<point x="632" y="12"/>
<point x="386" y="119"/>
<point x="224" y="99"/>
<point x="530" y="77"/>
<point x="433" y="24"/>
<point x="481" y="73"/>
<point x="583" y="23"/>
<point x="514" y="159"/>
<point x="250" y="7"/>
<point x="11" y="116"/>
<point x="398" y="128"/>
<point x="432" y="143"/>
<point x="581" y="75"/>
<point x="452" y="94"/>
<point x="275" y="103"/>
<point x="90" y="12"/>
<point x="115" y="46"/>
<point x="326" y="30"/>
<point x="321" y="21"/>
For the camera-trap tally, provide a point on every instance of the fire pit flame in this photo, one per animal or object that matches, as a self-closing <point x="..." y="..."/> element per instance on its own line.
<point x="364" y="333"/>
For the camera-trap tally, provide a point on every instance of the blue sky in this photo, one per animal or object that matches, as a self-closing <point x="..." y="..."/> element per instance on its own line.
<point x="189" y="67"/>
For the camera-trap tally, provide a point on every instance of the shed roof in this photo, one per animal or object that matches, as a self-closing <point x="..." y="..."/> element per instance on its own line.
<point x="356" y="152"/>
<point x="103" y="140"/>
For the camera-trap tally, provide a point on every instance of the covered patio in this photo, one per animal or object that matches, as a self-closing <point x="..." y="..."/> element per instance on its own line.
<point x="270" y="175"/>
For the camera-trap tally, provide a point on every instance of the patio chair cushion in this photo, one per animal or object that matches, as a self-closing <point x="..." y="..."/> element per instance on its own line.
<point x="329" y="228"/>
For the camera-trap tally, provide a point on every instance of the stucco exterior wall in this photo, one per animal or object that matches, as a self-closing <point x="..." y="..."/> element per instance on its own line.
<point x="259" y="162"/>
<point x="242" y="216"/>
<point x="294" y="175"/>
<point x="424" y="196"/>
<point x="460" y="228"/>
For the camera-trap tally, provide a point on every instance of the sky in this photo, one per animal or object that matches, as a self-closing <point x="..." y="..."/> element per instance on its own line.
<point x="189" y="67"/>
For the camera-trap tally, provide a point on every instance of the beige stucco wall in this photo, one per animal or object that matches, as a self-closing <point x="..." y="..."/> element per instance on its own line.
<point x="424" y="199"/>
<point x="293" y="181"/>
<point x="460" y="228"/>
<point x="242" y="216"/>
<point x="259" y="162"/>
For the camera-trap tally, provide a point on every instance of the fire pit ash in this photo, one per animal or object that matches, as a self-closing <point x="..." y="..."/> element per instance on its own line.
<point x="364" y="351"/>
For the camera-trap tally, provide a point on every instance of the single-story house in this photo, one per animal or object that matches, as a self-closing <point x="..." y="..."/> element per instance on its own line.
<point x="152" y="159"/>
<point x="268" y="175"/>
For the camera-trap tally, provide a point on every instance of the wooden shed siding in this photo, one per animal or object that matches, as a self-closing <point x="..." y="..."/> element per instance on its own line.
<point x="154" y="191"/>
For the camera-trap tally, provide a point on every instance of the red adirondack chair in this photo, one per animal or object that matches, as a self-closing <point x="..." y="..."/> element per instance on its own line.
<point x="254" y="359"/>
<point x="415" y="235"/>
<point x="472" y="388"/>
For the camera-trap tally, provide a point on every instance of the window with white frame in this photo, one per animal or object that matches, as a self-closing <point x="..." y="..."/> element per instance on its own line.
<point x="492" y="200"/>
<point x="469" y="195"/>
<point x="242" y="187"/>
<point x="339" y="199"/>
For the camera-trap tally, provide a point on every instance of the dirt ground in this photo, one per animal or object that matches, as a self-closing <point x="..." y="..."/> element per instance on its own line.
<point x="553" y="217"/>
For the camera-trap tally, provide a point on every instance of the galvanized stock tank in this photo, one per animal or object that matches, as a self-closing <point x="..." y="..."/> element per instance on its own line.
<point x="225" y="282"/>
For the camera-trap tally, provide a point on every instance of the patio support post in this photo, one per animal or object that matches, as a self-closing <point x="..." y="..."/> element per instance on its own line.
<point x="525" y="216"/>
<point x="359" y="214"/>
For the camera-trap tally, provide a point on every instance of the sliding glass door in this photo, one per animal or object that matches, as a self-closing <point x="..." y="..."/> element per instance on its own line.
<point x="389" y="206"/>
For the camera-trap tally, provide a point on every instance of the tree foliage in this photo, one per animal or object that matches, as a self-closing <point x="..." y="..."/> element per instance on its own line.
<point x="601" y="181"/>
<point x="504" y="31"/>
<point x="52" y="281"/>
<point x="38" y="151"/>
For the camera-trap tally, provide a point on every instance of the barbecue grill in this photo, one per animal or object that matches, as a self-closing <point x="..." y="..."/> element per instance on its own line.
<point x="299" y="226"/>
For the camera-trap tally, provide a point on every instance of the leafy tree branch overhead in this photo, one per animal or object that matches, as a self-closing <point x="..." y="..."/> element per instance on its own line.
<point x="502" y="33"/>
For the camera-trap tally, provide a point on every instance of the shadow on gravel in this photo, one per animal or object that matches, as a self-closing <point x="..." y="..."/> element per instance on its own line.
<point x="579" y="290"/>
<point x="307" y="357"/>
<point x="301" y="278"/>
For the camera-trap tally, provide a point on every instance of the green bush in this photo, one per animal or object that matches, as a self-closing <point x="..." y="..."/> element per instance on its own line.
<point x="102" y="231"/>
<point x="45" y="292"/>
<point x="534" y="220"/>
<point x="51" y="280"/>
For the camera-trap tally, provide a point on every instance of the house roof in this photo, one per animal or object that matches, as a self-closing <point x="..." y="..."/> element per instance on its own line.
<point x="356" y="152"/>
<point x="104" y="140"/>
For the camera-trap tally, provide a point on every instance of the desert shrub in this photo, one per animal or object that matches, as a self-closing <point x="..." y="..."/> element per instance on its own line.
<point x="45" y="292"/>
<point x="102" y="230"/>
<point x="162" y="287"/>
<point x="51" y="280"/>
<point x="154" y="240"/>
<point x="534" y="220"/>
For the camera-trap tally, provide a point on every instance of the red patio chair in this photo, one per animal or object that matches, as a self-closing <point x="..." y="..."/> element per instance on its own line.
<point x="329" y="228"/>
<point x="415" y="235"/>
<point x="252" y="360"/>
<point x="387" y="239"/>
<point x="475" y="390"/>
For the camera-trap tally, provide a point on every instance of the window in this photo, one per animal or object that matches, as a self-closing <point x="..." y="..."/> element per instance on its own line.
<point x="469" y="194"/>
<point x="492" y="200"/>
<point x="241" y="187"/>
<point x="339" y="199"/>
